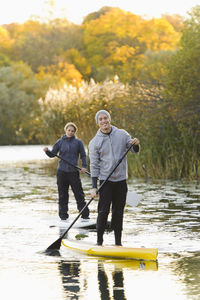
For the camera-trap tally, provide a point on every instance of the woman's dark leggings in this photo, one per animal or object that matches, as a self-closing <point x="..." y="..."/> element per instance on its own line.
<point x="111" y="193"/>
<point x="64" y="180"/>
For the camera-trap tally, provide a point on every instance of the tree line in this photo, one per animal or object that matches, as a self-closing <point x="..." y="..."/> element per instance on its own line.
<point x="145" y="72"/>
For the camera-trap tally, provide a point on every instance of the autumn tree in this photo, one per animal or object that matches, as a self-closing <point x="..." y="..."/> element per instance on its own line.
<point x="177" y="21"/>
<point x="183" y="78"/>
<point x="19" y="109"/>
<point x="182" y="93"/>
<point x="5" y="40"/>
<point x="60" y="74"/>
<point x="4" y="60"/>
<point x="111" y="40"/>
<point x="41" y="44"/>
<point x="74" y="57"/>
<point x="154" y="67"/>
<point x="117" y="41"/>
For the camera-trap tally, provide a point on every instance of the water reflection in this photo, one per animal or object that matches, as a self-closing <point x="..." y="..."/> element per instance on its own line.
<point x="70" y="278"/>
<point x="103" y="283"/>
<point x="117" y="283"/>
<point x="187" y="268"/>
<point x="80" y="277"/>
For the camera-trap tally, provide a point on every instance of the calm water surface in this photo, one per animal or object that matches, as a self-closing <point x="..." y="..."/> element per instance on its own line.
<point x="168" y="218"/>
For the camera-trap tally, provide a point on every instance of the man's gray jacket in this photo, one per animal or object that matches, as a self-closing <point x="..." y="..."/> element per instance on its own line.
<point x="105" y="150"/>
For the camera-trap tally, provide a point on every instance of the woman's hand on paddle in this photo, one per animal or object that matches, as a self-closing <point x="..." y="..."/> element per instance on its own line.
<point x="93" y="193"/>
<point x="83" y="170"/>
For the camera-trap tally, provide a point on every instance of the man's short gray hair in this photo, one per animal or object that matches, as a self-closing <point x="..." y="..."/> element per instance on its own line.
<point x="102" y="111"/>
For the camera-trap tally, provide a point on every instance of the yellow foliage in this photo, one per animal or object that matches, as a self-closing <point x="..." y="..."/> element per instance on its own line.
<point x="159" y="34"/>
<point x="5" y="40"/>
<point x="117" y="21"/>
<point x="73" y="56"/>
<point x="120" y="39"/>
<point x="120" y="54"/>
<point x="63" y="72"/>
<point x="34" y="27"/>
<point x="4" y="35"/>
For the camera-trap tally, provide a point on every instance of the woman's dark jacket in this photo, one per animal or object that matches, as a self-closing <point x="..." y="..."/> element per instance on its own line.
<point x="69" y="149"/>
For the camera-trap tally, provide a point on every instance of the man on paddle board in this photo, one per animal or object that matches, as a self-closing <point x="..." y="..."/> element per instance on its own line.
<point x="105" y="149"/>
<point x="69" y="148"/>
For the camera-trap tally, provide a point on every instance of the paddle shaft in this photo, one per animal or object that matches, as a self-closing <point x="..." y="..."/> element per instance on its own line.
<point x="69" y="163"/>
<point x="56" y="245"/>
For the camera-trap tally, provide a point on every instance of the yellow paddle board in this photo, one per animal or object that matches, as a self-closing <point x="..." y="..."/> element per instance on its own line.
<point x="112" y="251"/>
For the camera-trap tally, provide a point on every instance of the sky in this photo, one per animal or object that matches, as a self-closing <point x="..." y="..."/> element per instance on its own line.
<point x="75" y="10"/>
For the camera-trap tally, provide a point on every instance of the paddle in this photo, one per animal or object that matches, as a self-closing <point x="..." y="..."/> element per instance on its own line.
<point x="132" y="198"/>
<point x="56" y="245"/>
<point x="76" y="167"/>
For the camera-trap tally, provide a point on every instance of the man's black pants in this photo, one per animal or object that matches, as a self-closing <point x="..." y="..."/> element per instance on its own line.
<point x="111" y="193"/>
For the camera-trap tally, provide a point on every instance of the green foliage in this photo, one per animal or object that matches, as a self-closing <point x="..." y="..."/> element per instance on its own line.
<point x="183" y="78"/>
<point x="154" y="66"/>
<point x="4" y="61"/>
<point x="97" y="14"/>
<point x="182" y="93"/>
<point x="19" y="108"/>
<point x="80" y="236"/>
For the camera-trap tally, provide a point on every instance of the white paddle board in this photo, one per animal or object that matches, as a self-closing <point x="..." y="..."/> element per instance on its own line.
<point x="80" y="223"/>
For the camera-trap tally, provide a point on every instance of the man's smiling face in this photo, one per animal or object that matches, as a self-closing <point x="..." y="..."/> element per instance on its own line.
<point x="104" y="123"/>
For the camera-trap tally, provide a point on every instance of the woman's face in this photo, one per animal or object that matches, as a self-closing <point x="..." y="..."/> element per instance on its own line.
<point x="70" y="131"/>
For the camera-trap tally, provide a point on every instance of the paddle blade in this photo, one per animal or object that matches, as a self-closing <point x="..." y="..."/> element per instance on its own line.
<point x="133" y="199"/>
<point x="55" y="246"/>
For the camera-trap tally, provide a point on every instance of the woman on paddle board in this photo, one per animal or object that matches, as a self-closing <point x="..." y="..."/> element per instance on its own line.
<point x="105" y="150"/>
<point x="69" y="148"/>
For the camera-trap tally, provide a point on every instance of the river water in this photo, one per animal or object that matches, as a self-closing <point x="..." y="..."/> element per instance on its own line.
<point x="167" y="218"/>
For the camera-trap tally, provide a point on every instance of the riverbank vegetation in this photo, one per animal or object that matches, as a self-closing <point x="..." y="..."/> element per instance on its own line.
<point x="145" y="72"/>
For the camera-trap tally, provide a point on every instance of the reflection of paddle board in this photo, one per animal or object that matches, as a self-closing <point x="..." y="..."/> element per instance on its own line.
<point x="131" y="264"/>
<point x="112" y="251"/>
